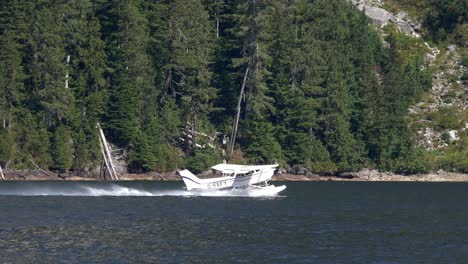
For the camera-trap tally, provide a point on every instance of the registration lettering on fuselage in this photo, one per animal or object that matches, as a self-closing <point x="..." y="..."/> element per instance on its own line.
<point x="218" y="184"/>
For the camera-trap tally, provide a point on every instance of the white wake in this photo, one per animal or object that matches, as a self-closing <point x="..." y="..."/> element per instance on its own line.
<point x="118" y="190"/>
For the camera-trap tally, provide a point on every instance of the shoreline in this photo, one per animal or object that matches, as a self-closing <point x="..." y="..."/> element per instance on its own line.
<point x="362" y="176"/>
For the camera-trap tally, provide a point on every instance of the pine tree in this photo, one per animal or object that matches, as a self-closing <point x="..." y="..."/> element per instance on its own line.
<point x="253" y="20"/>
<point x="11" y="77"/>
<point x="6" y="147"/>
<point x="335" y="120"/>
<point x="131" y="72"/>
<point x="188" y="73"/>
<point x="156" y="13"/>
<point x="228" y="46"/>
<point x="11" y="70"/>
<point x="62" y="149"/>
<point x="86" y="66"/>
<point x="46" y="64"/>
<point x="319" y="89"/>
<point x="296" y="84"/>
<point x="263" y="148"/>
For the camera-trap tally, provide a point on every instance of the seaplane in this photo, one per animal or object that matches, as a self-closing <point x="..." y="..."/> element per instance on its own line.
<point x="234" y="177"/>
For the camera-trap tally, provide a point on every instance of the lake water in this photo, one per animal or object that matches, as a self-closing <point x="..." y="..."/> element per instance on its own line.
<point x="159" y="222"/>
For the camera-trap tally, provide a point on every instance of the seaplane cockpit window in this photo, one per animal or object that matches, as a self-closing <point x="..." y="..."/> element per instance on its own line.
<point x="240" y="175"/>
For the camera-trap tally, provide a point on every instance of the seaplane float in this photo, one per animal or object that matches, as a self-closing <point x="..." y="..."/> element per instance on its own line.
<point x="234" y="177"/>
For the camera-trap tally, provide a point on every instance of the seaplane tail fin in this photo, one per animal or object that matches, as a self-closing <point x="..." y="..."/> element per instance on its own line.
<point x="190" y="180"/>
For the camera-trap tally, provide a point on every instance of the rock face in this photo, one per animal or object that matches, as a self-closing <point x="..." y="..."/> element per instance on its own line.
<point x="453" y="134"/>
<point x="440" y="176"/>
<point x="405" y="28"/>
<point x="449" y="89"/>
<point x="381" y="17"/>
<point x="378" y="16"/>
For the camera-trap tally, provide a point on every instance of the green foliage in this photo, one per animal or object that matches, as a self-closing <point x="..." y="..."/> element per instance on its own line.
<point x="12" y="74"/>
<point x="46" y="64"/>
<point x="442" y="19"/>
<point x="151" y="152"/>
<point x="32" y="141"/>
<point x="455" y="158"/>
<point x="202" y="159"/>
<point x="122" y="113"/>
<point x="82" y="153"/>
<point x="262" y="146"/>
<point x="409" y="48"/>
<point x="321" y="91"/>
<point x="303" y="149"/>
<point x="446" y="118"/>
<point x="6" y="145"/>
<point x="464" y="59"/>
<point x="141" y="156"/>
<point x="169" y="158"/>
<point x="420" y="161"/>
<point x="464" y="78"/>
<point x="455" y="161"/>
<point x="62" y="149"/>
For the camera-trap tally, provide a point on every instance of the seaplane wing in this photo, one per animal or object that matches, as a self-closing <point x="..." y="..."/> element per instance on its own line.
<point x="241" y="168"/>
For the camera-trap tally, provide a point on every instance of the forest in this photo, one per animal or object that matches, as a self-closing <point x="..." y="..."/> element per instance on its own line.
<point x="310" y="82"/>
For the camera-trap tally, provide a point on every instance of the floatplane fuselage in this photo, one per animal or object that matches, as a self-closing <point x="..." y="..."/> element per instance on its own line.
<point x="232" y="176"/>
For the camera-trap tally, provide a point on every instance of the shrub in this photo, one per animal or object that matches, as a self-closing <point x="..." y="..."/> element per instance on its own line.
<point x="203" y="159"/>
<point x="464" y="77"/>
<point x="62" y="149"/>
<point x="446" y="118"/>
<point x="6" y="145"/>
<point x="420" y="161"/>
<point x="464" y="59"/>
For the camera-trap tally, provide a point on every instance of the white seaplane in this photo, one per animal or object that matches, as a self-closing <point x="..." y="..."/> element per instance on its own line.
<point x="234" y="177"/>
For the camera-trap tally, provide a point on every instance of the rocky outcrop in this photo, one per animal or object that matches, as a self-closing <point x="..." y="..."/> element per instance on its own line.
<point x="364" y="175"/>
<point x="440" y="176"/>
<point x="378" y="16"/>
<point x="381" y="17"/>
<point x="406" y="28"/>
<point x="448" y="91"/>
<point x="374" y="175"/>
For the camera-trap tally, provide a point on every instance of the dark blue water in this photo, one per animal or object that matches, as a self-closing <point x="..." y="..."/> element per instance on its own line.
<point x="313" y="222"/>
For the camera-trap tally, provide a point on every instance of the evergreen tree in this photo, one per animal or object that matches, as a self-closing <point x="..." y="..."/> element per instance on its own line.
<point x="297" y="86"/>
<point x="188" y="73"/>
<point x="86" y="67"/>
<point x="335" y="120"/>
<point x="11" y="77"/>
<point x="6" y="147"/>
<point x="12" y="20"/>
<point x="32" y="141"/>
<point x="62" y="149"/>
<point x="46" y="64"/>
<point x="131" y="73"/>
<point x="305" y="83"/>
<point x="253" y="20"/>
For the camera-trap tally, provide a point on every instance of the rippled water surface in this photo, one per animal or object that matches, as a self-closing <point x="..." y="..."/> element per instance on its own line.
<point x="159" y="222"/>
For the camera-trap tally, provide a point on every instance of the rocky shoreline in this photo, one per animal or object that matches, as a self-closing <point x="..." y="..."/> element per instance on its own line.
<point x="375" y="176"/>
<point x="364" y="175"/>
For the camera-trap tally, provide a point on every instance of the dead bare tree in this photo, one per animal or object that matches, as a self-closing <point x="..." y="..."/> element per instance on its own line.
<point x="1" y="173"/>
<point x="236" y="120"/>
<point x="106" y="154"/>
